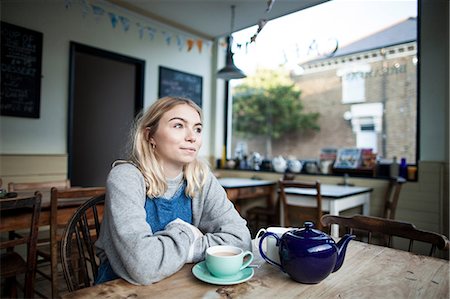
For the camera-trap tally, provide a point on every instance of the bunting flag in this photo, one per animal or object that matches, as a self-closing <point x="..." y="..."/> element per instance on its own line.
<point x="167" y="37"/>
<point x="208" y="45"/>
<point x="224" y="44"/>
<point x="151" y="32"/>
<point x="190" y="44"/>
<point x="239" y="46"/>
<point x="200" y="45"/>
<point x="180" y="42"/>
<point x="67" y="3"/>
<point x="143" y="29"/>
<point x="113" y="19"/>
<point x="86" y="7"/>
<point x="98" y="12"/>
<point x="140" y="30"/>
<point x="261" y="24"/>
<point x="125" y="23"/>
<point x="269" y="5"/>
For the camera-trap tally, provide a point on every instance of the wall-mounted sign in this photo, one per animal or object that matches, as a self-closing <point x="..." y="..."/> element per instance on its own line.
<point x="175" y="83"/>
<point x="21" y="59"/>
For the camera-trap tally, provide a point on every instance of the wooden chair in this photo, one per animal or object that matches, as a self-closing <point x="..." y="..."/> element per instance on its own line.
<point x="12" y="264"/>
<point x="50" y="252"/>
<point x="389" y="228"/>
<point x="258" y="217"/>
<point x="43" y="187"/>
<point x="40" y="186"/>
<point x="305" y="212"/>
<point x="78" y="259"/>
<point x="391" y="196"/>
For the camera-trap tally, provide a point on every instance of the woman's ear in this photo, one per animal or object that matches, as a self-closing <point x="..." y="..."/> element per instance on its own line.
<point x="147" y="134"/>
<point x="149" y="139"/>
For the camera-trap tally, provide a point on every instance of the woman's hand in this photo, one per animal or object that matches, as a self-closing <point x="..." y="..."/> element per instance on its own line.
<point x="197" y="234"/>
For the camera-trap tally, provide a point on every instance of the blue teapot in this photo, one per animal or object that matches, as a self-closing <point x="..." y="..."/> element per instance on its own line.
<point x="308" y="255"/>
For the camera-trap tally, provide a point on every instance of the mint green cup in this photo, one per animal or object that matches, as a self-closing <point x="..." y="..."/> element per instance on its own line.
<point x="225" y="261"/>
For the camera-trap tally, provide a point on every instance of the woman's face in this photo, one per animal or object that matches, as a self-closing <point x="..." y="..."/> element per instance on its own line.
<point x="178" y="138"/>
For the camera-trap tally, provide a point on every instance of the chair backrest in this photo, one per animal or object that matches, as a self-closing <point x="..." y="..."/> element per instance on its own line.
<point x="41" y="186"/>
<point x="287" y="176"/>
<point x="391" y="196"/>
<point x="78" y="259"/>
<point x="11" y="206"/>
<point x="388" y="228"/>
<point x="73" y="197"/>
<point x="315" y="210"/>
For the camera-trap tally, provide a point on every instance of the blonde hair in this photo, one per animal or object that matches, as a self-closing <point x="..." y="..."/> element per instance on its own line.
<point x="144" y="157"/>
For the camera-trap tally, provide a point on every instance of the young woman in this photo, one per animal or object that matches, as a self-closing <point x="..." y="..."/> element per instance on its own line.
<point x="164" y="207"/>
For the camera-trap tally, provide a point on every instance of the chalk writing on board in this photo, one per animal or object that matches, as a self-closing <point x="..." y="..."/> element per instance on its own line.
<point x="21" y="58"/>
<point x="176" y="83"/>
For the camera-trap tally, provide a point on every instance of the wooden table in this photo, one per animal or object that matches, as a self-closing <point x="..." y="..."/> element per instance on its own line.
<point x="335" y="198"/>
<point x="239" y="189"/>
<point x="369" y="271"/>
<point x="18" y="221"/>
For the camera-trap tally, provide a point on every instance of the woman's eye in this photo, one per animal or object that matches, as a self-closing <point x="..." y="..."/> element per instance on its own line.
<point x="198" y="130"/>
<point x="178" y="125"/>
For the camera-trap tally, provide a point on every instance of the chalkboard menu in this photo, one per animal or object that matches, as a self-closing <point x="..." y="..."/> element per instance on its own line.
<point x="21" y="58"/>
<point x="180" y="84"/>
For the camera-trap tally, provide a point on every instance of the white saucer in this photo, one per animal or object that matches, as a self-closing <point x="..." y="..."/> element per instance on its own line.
<point x="201" y="272"/>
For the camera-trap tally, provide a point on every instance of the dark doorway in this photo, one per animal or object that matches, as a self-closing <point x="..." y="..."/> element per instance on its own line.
<point x="106" y="92"/>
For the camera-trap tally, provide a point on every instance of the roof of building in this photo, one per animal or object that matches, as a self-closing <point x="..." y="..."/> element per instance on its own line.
<point x="399" y="33"/>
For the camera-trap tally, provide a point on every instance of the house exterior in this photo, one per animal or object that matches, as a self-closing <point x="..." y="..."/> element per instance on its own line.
<point x="366" y="94"/>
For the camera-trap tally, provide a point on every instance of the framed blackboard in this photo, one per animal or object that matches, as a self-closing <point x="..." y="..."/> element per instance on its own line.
<point x="180" y="84"/>
<point x="21" y="61"/>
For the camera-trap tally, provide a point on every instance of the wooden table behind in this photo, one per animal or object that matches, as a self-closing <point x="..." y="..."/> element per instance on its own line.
<point x="238" y="189"/>
<point x="21" y="220"/>
<point x="369" y="271"/>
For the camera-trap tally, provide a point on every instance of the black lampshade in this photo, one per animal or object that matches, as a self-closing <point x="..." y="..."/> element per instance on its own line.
<point x="230" y="71"/>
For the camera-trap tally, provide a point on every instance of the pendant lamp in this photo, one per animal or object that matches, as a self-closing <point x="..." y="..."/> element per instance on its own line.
<point x="230" y="71"/>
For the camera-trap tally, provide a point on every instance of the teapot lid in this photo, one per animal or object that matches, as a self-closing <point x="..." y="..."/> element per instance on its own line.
<point x="308" y="232"/>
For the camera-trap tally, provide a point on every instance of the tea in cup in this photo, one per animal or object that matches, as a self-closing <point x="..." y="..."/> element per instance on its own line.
<point x="268" y="244"/>
<point x="225" y="261"/>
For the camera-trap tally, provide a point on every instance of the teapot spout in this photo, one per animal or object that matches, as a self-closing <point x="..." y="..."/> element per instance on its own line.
<point x="342" y="248"/>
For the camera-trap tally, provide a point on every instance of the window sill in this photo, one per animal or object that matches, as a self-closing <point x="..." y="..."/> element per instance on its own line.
<point x="352" y="173"/>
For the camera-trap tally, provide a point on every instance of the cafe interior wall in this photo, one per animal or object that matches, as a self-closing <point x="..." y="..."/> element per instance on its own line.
<point x="35" y="149"/>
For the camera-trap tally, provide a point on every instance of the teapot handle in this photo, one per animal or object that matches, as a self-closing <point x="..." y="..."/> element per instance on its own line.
<point x="261" y="252"/>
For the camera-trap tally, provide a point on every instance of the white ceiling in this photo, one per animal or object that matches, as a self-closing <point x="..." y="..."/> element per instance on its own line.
<point x="211" y="19"/>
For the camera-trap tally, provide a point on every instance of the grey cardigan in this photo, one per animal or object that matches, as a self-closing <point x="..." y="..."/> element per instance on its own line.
<point x="141" y="257"/>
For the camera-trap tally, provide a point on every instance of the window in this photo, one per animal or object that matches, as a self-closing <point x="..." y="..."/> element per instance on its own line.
<point x="352" y="88"/>
<point x="364" y="89"/>
<point x="353" y="83"/>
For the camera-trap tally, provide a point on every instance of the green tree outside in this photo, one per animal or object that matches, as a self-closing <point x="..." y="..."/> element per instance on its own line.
<point x="268" y="104"/>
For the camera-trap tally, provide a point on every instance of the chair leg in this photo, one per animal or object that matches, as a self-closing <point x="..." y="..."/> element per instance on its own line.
<point x="54" y="272"/>
<point x="30" y="278"/>
<point x="287" y="222"/>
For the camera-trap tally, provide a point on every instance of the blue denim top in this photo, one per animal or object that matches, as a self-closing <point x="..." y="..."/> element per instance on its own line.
<point x="160" y="211"/>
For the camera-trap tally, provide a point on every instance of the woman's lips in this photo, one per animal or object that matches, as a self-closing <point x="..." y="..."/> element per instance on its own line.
<point x="189" y="149"/>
